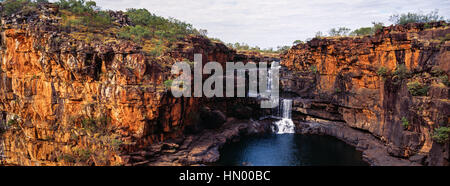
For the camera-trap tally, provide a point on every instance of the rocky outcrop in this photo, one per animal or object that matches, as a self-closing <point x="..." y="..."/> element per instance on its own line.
<point x="198" y="149"/>
<point x="367" y="82"/>
<point x="65" y="101"/>
<point x="255" y="56"/>
<point x="52" y="85"/>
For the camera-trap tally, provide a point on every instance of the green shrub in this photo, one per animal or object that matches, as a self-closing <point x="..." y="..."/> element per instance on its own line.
<point x="83" y="155"/>
<point x="401" y="71"/>
<point x="168" y="83"/>
<point x="417" y="89"/>
<point x="246" y="47"/>
<point x="446" y="38"/>
<point x="168" y="29"/>
<point x="135" y="33"/>
<point x="415" y="17"/>
<point x="382" y="71"/>
<point x="405" y="122"/>
<point x="13" y="6"/>
<point x="341" y="31"/>
<point x="367" y="30"/>
<point x="191" y="64"/>
<point x="441" y="134"/>
<point x="377" y="26"/>
<point x="318" y="35"/>
<point x="78" y="7"/>
<point x="68" y="158"/>
<point x="11" y="123"/>
<point x="337" y="90"/>
<point x="100" y="19"/>
<point x="444" y="79"/>
<point x="87" y="12"/>
<point x="313" y="69"/>
<point x="139" y="16"/>
<point x="116" y="143"/>
<point x="296" y="42"/>
<point x="156" y="51"/>
<point x="95" y="125"/>
<point x="437" y="72"/>
<point x="362" y="31"/>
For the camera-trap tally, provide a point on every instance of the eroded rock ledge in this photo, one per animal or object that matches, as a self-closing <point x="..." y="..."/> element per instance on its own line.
<point x="199" y="149"/>
<point x="370" y="83"/>
<point x="67" y="101"/>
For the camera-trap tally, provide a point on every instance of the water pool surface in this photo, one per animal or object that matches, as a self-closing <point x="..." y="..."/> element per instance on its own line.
<point x="290" y="150"/>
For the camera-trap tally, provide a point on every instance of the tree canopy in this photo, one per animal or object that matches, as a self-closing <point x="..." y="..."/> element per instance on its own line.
<point x="416" y="17"/>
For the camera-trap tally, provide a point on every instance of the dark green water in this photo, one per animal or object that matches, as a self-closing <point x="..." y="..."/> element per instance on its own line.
<point x="290" y="150"/>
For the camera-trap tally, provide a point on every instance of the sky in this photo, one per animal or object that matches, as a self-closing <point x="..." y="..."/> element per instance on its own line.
<point x="272" y="23"/>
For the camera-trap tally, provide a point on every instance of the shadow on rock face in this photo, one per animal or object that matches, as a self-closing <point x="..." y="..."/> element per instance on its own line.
<point x="212" y="119"/>
<point x="243" y="112"/>
<point x="208" y="119"/>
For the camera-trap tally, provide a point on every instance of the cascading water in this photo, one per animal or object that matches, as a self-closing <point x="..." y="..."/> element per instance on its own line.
<point x="285" y="125"/>
<point x="287" y="106"/>
<point x="283" y="110"/>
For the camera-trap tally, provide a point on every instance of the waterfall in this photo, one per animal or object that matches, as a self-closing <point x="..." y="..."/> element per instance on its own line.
<point x="285" y="125"/>
<point x="269" y="81"/>
<point x="270" y="76"/>
<point x="283" y="110"/>
<point x="287" y="107"/>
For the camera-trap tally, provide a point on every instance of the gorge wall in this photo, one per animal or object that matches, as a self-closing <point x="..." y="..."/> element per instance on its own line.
<point x="65" y="101"/>
<point x="372" y="84"/>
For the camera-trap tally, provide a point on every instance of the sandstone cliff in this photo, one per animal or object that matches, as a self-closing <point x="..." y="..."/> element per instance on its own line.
<point x="68" y="101"/>
<point x="393" y="85"/>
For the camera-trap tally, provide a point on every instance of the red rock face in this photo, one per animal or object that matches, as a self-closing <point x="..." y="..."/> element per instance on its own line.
<point x="51" y="87"/>
<point x="344" y="75"/>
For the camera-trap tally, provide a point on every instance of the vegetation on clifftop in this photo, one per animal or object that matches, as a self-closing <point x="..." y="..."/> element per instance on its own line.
<point x="154" y="32"/>
<point x="84" y="13"/>
<point x="412" y="17"/>
<point x="245" y="47"/>
<point x="84" y="20"/>
<point x="398" y="19"/>
<point x="11" y="7"/>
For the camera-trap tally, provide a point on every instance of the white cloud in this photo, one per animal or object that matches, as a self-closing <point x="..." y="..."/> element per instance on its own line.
<point x="269" y="23"/>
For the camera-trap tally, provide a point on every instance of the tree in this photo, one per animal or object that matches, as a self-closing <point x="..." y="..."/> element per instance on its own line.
<point x="282" y="49"/>
<point x="416" y="17"/>
<point x="367" y="30"/>
<point x="319" y="34"/>
<point x="167" y="29"/>
<point x="377" y="26"/>
<point x="78" y="6"/>
<point x="296" y="42"/>
<point x="362" y="31"/>
<point x="203" y="32"/>
<point x="13" y="6"/>
<point x="139" y="16"/>
<point x="341" y="31"/>
<point x="136" y="33"/>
